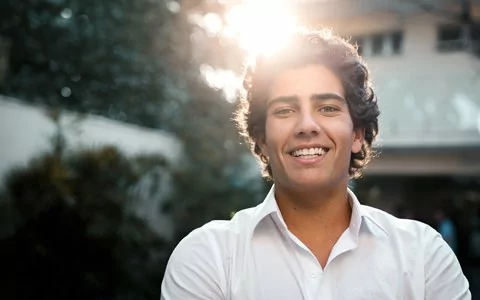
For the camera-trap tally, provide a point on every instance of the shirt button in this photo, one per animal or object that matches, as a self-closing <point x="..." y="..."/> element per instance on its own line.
<point x="314" y="275"/>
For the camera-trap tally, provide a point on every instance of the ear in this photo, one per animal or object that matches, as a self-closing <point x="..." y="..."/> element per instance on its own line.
<point x="358" y="138"/>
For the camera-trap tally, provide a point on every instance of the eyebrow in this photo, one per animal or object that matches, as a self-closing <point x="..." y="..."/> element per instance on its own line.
<point x="283" y="99"/>
<point x="327" y="96"/>
<point x="314" y="97"/>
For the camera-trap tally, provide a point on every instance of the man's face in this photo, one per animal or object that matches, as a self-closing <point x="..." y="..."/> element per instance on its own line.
<point x="309" y="135"/>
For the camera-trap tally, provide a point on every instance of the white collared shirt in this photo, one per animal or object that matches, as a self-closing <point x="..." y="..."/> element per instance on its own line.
<point x="255" y="257"/>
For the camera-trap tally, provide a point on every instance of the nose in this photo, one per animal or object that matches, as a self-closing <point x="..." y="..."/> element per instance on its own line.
<point x="307" y="126"/>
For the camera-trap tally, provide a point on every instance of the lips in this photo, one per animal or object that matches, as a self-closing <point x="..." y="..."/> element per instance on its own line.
<point x="309" y="155"/>
<point x="309" y="151"/>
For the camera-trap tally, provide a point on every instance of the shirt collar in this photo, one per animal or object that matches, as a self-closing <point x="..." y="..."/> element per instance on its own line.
<point x="267" y="207"/>
<point x="270" y="207"/>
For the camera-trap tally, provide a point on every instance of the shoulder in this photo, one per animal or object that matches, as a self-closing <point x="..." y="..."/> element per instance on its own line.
<point x="401" y="228"/>
<point x="217" y="238"/>
<point x="200" y="263"/>
<point x="222" y="231"/>
<point x="441" y="272"/>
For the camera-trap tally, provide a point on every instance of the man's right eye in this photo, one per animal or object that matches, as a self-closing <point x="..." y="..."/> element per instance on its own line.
<point x="283" y="111"/>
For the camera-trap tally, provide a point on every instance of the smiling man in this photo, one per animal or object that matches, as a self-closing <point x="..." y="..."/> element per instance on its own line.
<point x="310" y="116"/>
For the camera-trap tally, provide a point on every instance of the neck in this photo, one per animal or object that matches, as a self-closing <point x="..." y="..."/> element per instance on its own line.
<point x="314" y="212"/>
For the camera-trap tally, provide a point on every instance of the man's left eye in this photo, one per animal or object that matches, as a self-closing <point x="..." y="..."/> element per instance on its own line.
<point x="328" y="109"/>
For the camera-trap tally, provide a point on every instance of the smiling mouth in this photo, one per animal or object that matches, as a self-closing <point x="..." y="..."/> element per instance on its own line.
<point x="309" y="152"/>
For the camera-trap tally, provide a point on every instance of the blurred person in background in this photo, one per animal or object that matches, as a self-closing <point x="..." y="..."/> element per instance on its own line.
<point x="310" y="116"/>
<point x="446" y="228"/>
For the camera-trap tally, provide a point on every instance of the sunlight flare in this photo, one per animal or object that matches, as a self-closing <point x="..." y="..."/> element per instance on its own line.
<point x="256" y="26"/>
<point x="260" y="26"/>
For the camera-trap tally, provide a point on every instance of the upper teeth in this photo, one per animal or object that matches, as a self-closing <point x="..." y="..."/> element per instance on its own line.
<point x="309" y="151"/>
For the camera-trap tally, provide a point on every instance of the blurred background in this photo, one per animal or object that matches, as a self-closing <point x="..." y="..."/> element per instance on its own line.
<point x="116" y="132"/>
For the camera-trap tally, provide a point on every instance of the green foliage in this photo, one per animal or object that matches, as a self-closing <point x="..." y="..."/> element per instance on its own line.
<point x="114" y="58"/>
<point x="75" y="236"/>
<point x="216" y="177"/>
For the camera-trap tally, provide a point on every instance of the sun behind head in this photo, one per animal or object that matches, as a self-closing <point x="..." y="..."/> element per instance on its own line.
<point x="261" y="26"/>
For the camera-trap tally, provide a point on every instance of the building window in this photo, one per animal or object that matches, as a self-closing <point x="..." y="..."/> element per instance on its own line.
<point x="397" y="42"/>
<point x="377" y="44"/>
<point x="358" y="41"/>
<point x="450" y="38"/>
<point x="475" y="38"/>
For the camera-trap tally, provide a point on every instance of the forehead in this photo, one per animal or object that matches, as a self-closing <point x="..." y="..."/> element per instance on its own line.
<point x="305" y="81"/>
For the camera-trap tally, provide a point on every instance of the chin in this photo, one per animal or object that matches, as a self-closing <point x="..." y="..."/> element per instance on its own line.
<point x="310" y="182"/>
<point x="317" y="180"/>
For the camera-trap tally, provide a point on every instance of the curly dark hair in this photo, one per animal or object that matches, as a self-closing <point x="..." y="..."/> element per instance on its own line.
<point x="310" y="47"/>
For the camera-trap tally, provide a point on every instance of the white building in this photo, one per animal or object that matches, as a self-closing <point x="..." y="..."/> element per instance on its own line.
<point x="25" y="131"/>
<point x="425" y="74"/>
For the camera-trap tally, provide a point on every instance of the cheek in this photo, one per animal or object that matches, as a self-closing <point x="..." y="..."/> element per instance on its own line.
<point x="271" y="135"/>
<point x="276" y="135"/>
<point x="341" y="132"/>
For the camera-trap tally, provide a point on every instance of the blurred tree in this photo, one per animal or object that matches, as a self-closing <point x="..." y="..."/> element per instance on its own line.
<point x="74" y="236"/>
<point x="217" y="178"/>
<point x="117" y="59"/>
<point x="220" y="176"/>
